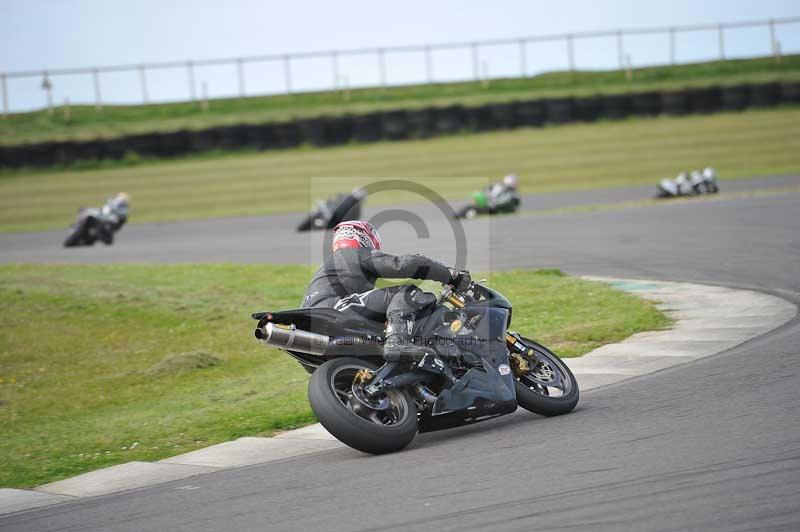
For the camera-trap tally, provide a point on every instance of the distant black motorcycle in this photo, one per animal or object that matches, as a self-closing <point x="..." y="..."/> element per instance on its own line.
<point x="330" y="212"/>
<point x="95" y="224"/>
<point x="474" y="369"/>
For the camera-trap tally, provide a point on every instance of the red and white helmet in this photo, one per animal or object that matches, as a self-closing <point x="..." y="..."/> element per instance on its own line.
<point x="355" y="234"/>
<point x="511" y="181"/>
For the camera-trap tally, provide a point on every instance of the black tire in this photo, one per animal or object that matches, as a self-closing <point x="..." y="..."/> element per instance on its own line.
<point x="308" y="223"/>
<point x="106" y="235"/>
<point x="76" y="237"/>
<point x="539" y="402"/>
<point x="469" y="212"/>
<point x="348" y="426"/>
<point x="73" y="239"/>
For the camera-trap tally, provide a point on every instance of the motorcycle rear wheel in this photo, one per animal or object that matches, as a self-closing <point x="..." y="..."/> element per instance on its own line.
<point x="549" y="388"/>
<point x="387" y="428"/>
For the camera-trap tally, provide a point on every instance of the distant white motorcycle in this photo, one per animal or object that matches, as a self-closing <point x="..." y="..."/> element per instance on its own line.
<point x="686" y="184"/>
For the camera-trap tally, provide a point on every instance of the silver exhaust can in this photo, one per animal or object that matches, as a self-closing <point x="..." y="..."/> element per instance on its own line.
<point x="291" y="338"/>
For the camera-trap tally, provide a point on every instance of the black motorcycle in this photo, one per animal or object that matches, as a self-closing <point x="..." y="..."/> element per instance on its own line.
<point x="330" y="212"/>
<point x="473" y="369"/>
<point x="90" y="227"/>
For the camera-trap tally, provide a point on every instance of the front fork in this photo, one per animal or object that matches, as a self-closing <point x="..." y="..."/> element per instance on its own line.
<point x="517" y="353"/>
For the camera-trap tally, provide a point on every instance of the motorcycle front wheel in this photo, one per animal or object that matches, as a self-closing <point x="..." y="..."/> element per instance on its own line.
<point x="312" y="221"/>
<point x="79" y="234"/>
<point x="548" y="387"/>
<point x="373" y="425"/>
<point x="469" y="212"/>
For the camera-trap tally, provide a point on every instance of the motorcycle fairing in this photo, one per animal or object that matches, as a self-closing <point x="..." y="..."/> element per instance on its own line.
<point x="484" y="391"/>
<point x="480" y="199"/>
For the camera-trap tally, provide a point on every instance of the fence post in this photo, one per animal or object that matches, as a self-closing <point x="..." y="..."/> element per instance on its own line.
<point x="428" y="64"/>
<point x="570" y="53"/>
<point x="47" y="86"/>
<point x="190" y="79"/>
<point x="620" y="50"/>
<point x="475" y="67"/>
<point x="523" y="58"/>
<point x="4" y="90"/>
<point x="772" y="40"/>
<point x="672" y="46"/>
<point x="98" y="99"/>
<point x="287" y="73"/>
<point x="143" y="83"/>
<point x="382" y="67"/>
<point x="721" y="34"/>
<point x="335" y="69"/>
<point x="240" y="77"/>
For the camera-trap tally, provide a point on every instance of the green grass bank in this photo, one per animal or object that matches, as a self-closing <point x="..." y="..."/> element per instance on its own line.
<point x="101" y="365"/>
<point x="84" y="122"/>
<point x="605" y="154"/>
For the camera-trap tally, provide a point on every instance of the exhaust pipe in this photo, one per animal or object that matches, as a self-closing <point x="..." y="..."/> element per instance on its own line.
<point x="291" y="338"/>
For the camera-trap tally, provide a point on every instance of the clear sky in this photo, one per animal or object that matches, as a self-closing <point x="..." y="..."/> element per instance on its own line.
<point x="49" y="34"/>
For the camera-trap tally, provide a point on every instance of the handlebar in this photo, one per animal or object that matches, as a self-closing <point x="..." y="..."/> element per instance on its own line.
<point x="459" y="299"/>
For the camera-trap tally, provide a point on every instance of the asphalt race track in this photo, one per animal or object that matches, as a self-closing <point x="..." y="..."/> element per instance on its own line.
<point x="710" y="445"/>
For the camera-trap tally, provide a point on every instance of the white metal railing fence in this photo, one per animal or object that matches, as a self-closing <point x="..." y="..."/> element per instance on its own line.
<point x="380" y="55"/>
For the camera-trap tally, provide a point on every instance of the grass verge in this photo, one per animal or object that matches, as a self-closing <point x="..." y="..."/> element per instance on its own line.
<point x="84" y="122"/>
<point x="101" y="365"/>
<point x="634" y="151"/>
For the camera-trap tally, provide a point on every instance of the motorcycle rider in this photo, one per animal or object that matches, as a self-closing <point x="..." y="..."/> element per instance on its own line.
<point x="346" y="282"/>
<point x="339" y="207"/>
<point x="113" y="216"/>
<point x="118" y="208"/>
<point x="710" y="180"/>
<point x="502" y="193"/>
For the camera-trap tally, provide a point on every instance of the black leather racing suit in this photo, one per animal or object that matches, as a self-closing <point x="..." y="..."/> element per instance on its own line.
<point x="346" y="282"/>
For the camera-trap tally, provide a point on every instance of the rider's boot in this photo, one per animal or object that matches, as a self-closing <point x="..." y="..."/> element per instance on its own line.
<point x="398" y="343"/>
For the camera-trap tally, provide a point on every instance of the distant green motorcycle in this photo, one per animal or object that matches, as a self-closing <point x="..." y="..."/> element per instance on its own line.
<point x="481" y="204"/>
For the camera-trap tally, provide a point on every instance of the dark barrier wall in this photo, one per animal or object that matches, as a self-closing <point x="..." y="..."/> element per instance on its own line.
<point x="530" y="113"/>
<point x="559" y="110"/>
<point x="368" y="127"/>
<point x="674" y="103"/>
<point x="405" y="124"/>
<point x="589" y="109"/>
<point x="765" y="95"/>
<point x="790" y="92"/>
<point x="646" y="103"/>
<point x="735" y="97"/>
<point x="395" y="125"/>
<point x="705" y="100"/>
<point x="616" y="106"/>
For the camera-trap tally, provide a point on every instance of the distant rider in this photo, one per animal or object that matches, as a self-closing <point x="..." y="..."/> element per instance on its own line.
<point x="710" y="180"/>
<point x="346" y="282"/>
<point x="689" y="184"/>
<point x="504" y="193"/>
<point x="113" y="216"/>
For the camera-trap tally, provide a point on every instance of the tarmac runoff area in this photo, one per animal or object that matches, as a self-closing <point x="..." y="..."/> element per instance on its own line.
<point x="708" y="320"/>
